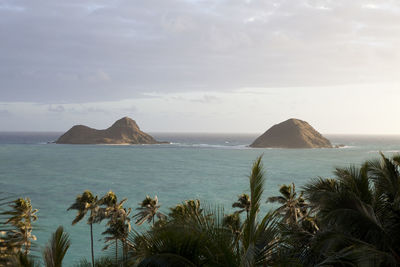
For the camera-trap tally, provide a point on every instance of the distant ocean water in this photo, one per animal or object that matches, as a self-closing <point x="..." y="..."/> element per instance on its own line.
<point x="211" y="167"/>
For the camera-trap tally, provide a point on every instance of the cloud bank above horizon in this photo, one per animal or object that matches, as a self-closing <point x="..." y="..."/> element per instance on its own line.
<point x="187" y="65"/>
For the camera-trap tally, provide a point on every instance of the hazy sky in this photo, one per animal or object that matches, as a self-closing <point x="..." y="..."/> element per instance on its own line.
<point x="200" y="66"/>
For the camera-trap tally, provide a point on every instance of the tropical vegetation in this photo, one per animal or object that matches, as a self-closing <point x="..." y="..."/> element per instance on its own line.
<point x="351" y="219"/>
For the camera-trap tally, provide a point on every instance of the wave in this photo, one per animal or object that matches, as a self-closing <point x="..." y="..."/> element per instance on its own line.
<point x="384" y="151"/>
<point x="173" y="144"/>
<point x="202" y="145"/>
<point x="344" y="147"/>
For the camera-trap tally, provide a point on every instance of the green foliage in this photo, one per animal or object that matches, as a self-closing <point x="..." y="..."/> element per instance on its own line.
<point x="186" y="209"/>
<point x="193" y="235"/>
<point x="359" y="215"/>
<point x="352" y="219"/>
<point x="23" y="260"/>
<point x="148" y="210"/>
<point x="243" y="204"/>
<point x="6" y="247"/>
<point x="189" y="239"/>
<point x="101" y="262"/>
<point x="293" y="207"/>
<point x="58" y="246"/>
<point x="259" y="239"/>
<point x="20" y="217"/>
<point x="118" y="225"/>
<point x="84" y="203"/>
<point x="232" y="221"/>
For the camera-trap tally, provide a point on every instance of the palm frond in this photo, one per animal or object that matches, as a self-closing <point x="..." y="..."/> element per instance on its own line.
<point x="57" y="248"/>
<point x="256" y="180"/>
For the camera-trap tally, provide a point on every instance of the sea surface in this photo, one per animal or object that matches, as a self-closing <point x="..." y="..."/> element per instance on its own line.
<point x="211" y="167"/>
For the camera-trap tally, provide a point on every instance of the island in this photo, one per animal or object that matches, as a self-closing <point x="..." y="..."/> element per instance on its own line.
<point x="123" y="131"/>
<point x="292" y="133"/>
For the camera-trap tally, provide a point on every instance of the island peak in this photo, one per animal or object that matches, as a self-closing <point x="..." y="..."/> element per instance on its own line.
<point x="292" y="133"/>
<point x="123" y="131"/>
<point x="126" y="122"/>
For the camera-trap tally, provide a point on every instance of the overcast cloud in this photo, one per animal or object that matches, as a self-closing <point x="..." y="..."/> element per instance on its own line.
<point x="57" y="53"/>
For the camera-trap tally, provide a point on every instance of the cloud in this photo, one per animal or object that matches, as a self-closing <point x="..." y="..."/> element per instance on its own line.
<point x="4" y="112"/>
<point x="99" y="76"/>
<point x="56" y="108"/>
<point x="206" y="99"/>
<point x="8" y="6"/>
<point x="89" y="51"/>
<point x="335" y="109"/>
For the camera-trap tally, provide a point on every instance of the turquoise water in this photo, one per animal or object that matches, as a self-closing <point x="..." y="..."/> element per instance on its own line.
<point x="209" y="167"/>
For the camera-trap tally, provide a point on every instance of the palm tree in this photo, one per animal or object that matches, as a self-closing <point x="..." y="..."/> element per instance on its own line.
<point x="8" y="248"/>
<point x="259" y="239"/>
<point x="22" y="216"/>
<point x="103" y="261"/>
<point x="233" y="223"/>
<point x="189" y="239"/>
<point x="119" y="222"/>
<point x="385" y="175"/>
<point x="358" y="214"/>
<point x="148" y="210"/>
<point x="117" y="230"/>
<point x="22" y="260"/>
<point x="187" y="208"/>
<point x="195" y="236"/>
<point x="243" y="204"/>
<point x="108" y="199"/>
<point x="106" y="205"/>
<point x="58" y="246"/>
<point x="83" y="204"/>
<point x="292" y="207"/>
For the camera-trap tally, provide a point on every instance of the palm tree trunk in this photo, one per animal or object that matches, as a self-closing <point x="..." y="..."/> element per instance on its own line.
<point x="26" y="241"/>
<point x="116" y="251"/>
<point x="237" y="247"/>
<point x="124" y="251"/>
<point x="26" y="247"/>
<point x="91" y="243"/>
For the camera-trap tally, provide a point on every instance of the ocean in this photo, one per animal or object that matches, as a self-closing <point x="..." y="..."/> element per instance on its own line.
<point x="210" y="167"/>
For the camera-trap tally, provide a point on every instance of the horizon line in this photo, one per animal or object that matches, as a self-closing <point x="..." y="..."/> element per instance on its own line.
<point x="201" y="132"/>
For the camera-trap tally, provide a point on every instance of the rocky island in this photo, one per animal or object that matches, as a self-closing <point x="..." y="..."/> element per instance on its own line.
<point x="123" y="131"/>
<point x="292" y="133"/>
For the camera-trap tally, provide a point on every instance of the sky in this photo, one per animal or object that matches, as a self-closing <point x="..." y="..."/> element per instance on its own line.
<point x="200" y="65"/>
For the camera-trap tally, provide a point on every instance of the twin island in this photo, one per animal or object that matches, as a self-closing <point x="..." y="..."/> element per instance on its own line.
<point x="123" y="131"/>
<point x="292" y="133"/>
